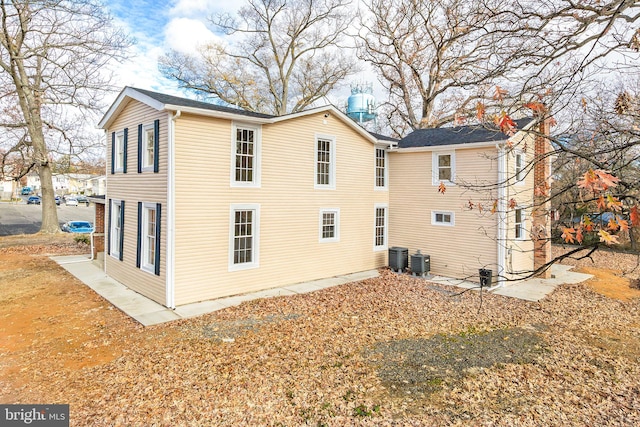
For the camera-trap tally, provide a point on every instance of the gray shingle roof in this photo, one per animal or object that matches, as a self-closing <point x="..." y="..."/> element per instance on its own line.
<point x="383" y="137"/>
<point x="456" y="135"/>
<point x="185" y="102"/>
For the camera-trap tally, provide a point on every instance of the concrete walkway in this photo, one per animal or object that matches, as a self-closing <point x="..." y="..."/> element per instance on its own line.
<point x="148" y="312"/>
<point x="533" y="289"/>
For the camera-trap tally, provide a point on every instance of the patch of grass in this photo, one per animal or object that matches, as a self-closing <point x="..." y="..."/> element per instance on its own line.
<point x="364" y="411"/>
<point x="422" y="366"/>
<point x="82" y="238"/>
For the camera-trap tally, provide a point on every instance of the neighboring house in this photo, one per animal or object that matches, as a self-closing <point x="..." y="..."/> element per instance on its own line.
<point x="96" y="186"/>
<point x="71" y="183"/>
<point x="288" y="199"/>
<point x="485" y="216"/>
<point x="8" y="188"/>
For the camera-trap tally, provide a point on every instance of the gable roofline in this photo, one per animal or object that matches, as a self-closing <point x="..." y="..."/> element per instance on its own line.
<point x="162" y="102"/>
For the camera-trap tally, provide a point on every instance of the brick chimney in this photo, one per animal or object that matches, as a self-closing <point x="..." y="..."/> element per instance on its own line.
<point x="541" y="219"/>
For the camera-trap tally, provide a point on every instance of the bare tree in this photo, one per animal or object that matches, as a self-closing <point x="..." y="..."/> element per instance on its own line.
<point x="283" y="56"/>
<point x="53" y="60"/>
<point x="450" y="61"/>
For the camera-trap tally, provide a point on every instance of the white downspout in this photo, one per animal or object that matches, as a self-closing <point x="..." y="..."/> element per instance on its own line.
<point x="171" y="210"/>
<point x="502" y="214"/>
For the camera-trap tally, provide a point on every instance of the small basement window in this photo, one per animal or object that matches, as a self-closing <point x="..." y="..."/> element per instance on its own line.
<point x="442" y="218"/>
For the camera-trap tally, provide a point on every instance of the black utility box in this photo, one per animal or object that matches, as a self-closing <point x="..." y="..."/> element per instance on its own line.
<point x="398" y="259"/>
<point x="420" y="264"/>
<point x="485" y="277"/>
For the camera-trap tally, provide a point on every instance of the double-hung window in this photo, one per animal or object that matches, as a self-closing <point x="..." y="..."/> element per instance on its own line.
<point x="244" y="237"/>
<point x="148" y="146"/>
<point x="329" y="228"/>
<point x="245" y="169"/>
<point x="519" y="223"/>
<point x="119" y="151"/>
<point x="519" y="167"/>
<point x="325" y="168"/>
<point x="444" y="168"/>
<point x="149" y="217"/>
<point x="381" y="168"/>
<point x="380" y="228"/>
<point x="116" y="228"/>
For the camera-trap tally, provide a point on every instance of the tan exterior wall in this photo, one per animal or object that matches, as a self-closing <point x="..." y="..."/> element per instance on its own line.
<point x="519" y="252"/>
<point x="289" y="247"/>
<point x="456" y="251"/>
<point x="133" y="187"/>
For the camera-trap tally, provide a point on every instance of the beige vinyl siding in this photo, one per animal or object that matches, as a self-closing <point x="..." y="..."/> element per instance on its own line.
<point x="133" y="187"/>
<point x="519" y="254"/>
<point x="290" y="251"/>
<point x="457" y="251"/>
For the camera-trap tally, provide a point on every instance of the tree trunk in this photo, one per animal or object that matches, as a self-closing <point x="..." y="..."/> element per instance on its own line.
<point x="49" y="212"/>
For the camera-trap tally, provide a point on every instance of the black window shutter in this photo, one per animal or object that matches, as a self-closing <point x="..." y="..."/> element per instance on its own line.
<point x="124" y="159"/>
<point x="113" y="152"/>
<point x="156" y="145"/>
<point x="121" y="227"/>
<point x="139" y="249"/>
<point x="140" y="154"/>
<point x="158" y="221"/>
<point x="109" y="231"/>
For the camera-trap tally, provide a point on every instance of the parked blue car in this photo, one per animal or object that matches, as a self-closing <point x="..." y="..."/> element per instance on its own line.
<point x="33" y="200"/>
<point x="78" y="227"/>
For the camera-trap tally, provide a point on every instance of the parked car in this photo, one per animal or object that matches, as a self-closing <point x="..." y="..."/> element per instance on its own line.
<point x="71" y="201"/>
<point x="77" y="227"/>
<point x="58" y="200"/>
<point x="26" y="191"/>
<point x="33" y="200"/>
<point x="83" y="199"/>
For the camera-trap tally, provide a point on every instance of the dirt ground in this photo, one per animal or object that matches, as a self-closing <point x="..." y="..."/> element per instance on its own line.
<point x="359" y="354"/>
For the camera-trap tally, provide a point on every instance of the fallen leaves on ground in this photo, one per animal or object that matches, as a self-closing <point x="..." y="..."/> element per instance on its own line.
<point x="319" y="358"/>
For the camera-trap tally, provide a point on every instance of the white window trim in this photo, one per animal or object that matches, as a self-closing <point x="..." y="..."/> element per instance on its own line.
<point x="384" y="187"/>
<point x="146" y="167"/>
<point x="332" y="165"/>
<point x="150" y="268"/>
<point x="519" y="178"/>
<point x="336" y="237"/>
<point x="523" y="223"/>
<point x="116" y="148"/>
<point x="256" y="233"/>
<point x="257" y="156"/>
<point x="114" y="249"/>
<point x="443" y="224"/>
<point x="435" y="169"/>
<point x="384" y="246"/>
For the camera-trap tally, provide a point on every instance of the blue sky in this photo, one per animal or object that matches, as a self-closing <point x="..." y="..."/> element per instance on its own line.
<point x="161" y="25"/>
<point x="158" y="26"/>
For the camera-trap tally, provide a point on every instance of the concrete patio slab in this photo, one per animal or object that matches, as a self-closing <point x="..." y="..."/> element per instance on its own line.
<point x="535" y="289"/>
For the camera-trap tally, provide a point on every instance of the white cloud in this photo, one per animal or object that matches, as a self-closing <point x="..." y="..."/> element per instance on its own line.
<point x="201" y="8"/>
<point x="186" y="34"/>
